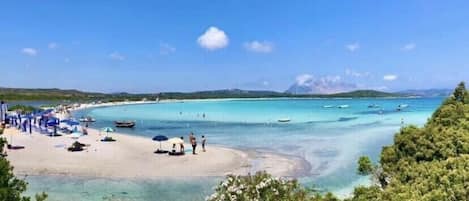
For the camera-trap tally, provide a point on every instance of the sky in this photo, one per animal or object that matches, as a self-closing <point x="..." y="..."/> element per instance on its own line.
<point x="157" y="46"/>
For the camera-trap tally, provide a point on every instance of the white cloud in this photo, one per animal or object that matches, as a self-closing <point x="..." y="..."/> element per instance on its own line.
<point x="29" y="51"/>
<point x="353" y="47"/>
<point x="352" y="73"/>
<point x="116" y="56"/>
<point x="52" y="45"/>
<point x="261" y="47"/>
<point x="213" y="39"/>
<point x="409" y="47"/>
<point x="166" y="49"/>
<point x="390" y="77"/>
<point x="265" y="83"/>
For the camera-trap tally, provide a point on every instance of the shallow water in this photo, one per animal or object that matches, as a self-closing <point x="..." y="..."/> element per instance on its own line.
<point x="330" y="139"/>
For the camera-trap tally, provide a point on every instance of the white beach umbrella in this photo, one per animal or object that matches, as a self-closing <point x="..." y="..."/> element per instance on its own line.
<point x="176" y="140"/>
<point x="76" y="135"/>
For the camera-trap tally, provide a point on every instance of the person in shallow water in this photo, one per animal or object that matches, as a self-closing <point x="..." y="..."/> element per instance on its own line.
<point x="204" y="140"/>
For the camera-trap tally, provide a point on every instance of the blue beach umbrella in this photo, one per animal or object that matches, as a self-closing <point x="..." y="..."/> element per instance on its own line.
<point x="107" y="129"/>
<point x="160" y="138"/>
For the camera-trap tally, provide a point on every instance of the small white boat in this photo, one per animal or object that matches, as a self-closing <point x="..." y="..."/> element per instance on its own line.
<point x="401" y="107"/>
<point x="343" y="106"/>
<point x="327" y="106"/>
<point x="373" y="106"/>
<point x="87" y="119"/>
<point x="284" y="120"/>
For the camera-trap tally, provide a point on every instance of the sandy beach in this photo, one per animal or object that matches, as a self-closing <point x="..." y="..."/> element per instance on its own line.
<point x="133" y="157"/>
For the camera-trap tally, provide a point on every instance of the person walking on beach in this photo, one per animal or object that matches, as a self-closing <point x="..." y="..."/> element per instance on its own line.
<point x="193" y="142"/>
<point x="204" y="140"/>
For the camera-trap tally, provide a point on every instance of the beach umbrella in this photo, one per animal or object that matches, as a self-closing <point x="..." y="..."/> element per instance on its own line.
<point x="176" y="140"/>
<point x="160" y="138"/>
<point x="107" y="129"/>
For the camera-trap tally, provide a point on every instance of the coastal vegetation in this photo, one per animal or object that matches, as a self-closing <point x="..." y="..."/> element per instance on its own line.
<point x="428" y="163"/>
<point x="59" y="95"/>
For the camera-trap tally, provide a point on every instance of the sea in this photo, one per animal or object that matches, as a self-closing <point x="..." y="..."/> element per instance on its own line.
<point x="328" y="134"/>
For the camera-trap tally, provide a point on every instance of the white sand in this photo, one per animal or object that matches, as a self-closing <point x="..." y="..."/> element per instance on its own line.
<point x="133" y="157"/>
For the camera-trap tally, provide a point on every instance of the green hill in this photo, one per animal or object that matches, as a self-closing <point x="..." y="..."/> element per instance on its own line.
<point x="75" y="95"/>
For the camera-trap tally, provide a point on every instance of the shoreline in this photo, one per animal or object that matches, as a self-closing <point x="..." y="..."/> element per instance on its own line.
<point x="132" y="157"/>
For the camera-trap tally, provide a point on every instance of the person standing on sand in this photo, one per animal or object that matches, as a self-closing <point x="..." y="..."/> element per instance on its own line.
<point x="204" y="140"/>
<point x="193" y="142"/>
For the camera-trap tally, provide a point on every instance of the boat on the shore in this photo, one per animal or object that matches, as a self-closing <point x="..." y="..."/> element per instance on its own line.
<point x="124" y="124"/>
<point x="343" y="106"/>
<point x="284" y="120"/>
<point x="87" y="119"/>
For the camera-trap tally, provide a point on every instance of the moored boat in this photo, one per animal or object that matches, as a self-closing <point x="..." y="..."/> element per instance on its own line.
<point x="343" y="106"/>
<point x="124" y="124"/>
<point x="284" y="120"/>
<point x="373" y="106"/>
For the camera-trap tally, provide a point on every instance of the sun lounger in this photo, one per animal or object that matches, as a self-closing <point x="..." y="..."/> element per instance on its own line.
<point x="108" y="139"/>
<point x="178" y="153"/>
<point x="14" y="147"/>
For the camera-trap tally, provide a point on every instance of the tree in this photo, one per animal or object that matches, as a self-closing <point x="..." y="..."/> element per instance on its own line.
<point x="460" y="92"/>
<point x="365" y="167"/>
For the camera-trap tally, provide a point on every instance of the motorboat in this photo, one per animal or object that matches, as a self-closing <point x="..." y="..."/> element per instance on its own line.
<point x="124" y="124"/>
<point x="343" y="106"/>
<point x="327" y="106"/>
<point x="87" y="119"/>
<point x="284" y="120"/>
<point x="401" y="107"/>
<point x="374" y="106"/>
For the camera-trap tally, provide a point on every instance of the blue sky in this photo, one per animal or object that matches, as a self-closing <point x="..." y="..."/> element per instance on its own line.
<point x="152" y="46"/>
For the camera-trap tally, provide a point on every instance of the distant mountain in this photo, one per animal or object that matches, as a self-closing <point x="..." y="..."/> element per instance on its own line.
<point x="307" y="84"/>
<point x="365" y="93"/>
<point x="426" y="92"/>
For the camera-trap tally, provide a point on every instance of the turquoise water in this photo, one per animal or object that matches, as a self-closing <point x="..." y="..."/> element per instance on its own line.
<point x="329" y="139"/>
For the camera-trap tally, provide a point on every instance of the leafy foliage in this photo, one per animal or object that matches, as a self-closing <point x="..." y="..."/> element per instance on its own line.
<point x="263" y="187"/>
<point x="365" y="167"/>
<point x="11" y="187"/>
<point x="429" y="163"/>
